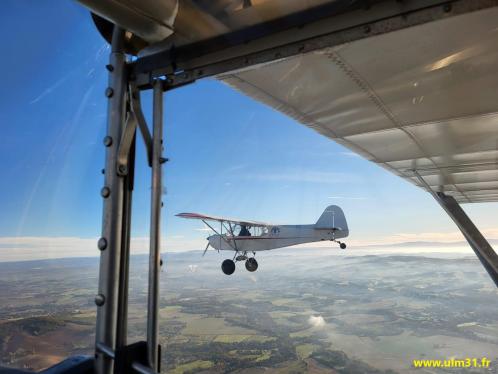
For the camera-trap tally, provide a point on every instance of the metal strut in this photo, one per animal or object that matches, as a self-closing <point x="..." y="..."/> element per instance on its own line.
<point x="476" y="240"/>
<point x="111" y="305"/>
<point x="155" y="229"/>
<point x="112" y="353"/>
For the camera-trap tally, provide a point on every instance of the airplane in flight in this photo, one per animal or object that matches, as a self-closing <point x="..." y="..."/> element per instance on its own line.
<point x="248" y="237"/>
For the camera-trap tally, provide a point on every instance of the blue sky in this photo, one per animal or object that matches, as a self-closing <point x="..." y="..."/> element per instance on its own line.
<point x="229" y="154"/>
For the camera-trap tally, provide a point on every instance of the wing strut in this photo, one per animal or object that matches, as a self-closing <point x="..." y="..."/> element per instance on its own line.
<point x="220" y="235"/>
<point x="477" y="241"/>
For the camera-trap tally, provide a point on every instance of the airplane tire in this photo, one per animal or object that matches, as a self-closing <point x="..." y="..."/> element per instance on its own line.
<point x="342" y="245"/>
<point x="228" y="267"/>
<point x="251" y="264"/>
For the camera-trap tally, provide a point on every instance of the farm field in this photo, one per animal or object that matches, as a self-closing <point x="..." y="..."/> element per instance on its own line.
<point x="348" y="314"/>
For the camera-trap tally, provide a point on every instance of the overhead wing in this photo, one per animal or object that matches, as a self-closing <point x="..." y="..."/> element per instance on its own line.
<point x="204" y="217"/>
<point x="422" y="98"/>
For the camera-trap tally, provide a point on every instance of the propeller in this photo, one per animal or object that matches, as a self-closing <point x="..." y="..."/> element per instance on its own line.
<point x="207" y="246"/>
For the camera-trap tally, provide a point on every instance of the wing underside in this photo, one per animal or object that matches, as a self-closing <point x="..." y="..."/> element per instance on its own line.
<point x="205" y="217"/>
<point x="422" y="99"/>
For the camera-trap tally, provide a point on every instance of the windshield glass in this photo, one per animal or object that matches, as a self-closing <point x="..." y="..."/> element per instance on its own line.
<point x="358" y="270"/>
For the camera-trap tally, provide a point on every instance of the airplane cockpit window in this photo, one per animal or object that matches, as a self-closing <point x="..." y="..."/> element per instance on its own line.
<point x="244" y="231"/>
<point x="222" y="186"/>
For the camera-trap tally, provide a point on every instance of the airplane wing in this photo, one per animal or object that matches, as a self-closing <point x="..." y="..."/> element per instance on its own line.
<point x="422" y="98"/>
<point x="204" y="217"/>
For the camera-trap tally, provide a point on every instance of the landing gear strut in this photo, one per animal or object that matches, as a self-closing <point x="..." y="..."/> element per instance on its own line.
<point x="342" y="245"/>
<point x="228" y="266"/>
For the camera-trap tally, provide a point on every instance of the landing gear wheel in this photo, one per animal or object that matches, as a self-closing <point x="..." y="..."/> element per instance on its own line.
<point x="342" y="245"/>
<point x="228" y="267"/>
<point x="251" y="264"/>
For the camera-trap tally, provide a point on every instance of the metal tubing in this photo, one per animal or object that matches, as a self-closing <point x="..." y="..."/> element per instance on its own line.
<point x="142" y="369"/>
<point x="122" y="323"/>
<point x="155" y="228"/>
<point x="112" y="225"/>
<point x="136" y="108"/>
<point x="476" y="240"/>
<point x="105" y="350"/>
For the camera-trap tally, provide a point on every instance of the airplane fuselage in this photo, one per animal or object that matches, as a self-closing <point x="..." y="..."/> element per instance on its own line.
<point x="276" y="237"/>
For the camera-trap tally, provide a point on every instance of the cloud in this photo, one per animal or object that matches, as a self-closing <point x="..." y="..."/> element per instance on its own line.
<point x="205" y="228"/>
<point x="349" y="154"/>
<point x="316" y="321"/>
<point x="348" y="197"/>
<point x="310" y="176"/>
<point x="49" y="90"/>
<point x="440" y="237"/>
<point x="424" y="242"/>
<point x="39" y="248"/>
<point x="233" y="168"/>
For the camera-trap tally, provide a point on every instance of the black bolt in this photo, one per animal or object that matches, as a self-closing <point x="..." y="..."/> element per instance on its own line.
<point x="122" y="169"/>
<point x="162" y="204"/>
<point x="109" y="67"/>
<point x="105" y="192"/>
<point x="107" y="141"/>
<point x="109" y="92"/>
<point x="103" y="171"/>
<point x="99" y="300"/>
<point x="102" y="244"/>
<point x="162" y="160"/>
<point x="161" y="262"/>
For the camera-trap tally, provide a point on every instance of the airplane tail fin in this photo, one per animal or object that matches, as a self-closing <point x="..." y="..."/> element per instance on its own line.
<point x="333" y="219"/>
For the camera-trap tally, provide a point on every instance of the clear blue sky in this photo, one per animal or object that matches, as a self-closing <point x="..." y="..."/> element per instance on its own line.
<point x="229" y="154"/>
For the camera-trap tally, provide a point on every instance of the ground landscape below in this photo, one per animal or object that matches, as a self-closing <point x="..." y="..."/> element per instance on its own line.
<point x="303" y="311"/>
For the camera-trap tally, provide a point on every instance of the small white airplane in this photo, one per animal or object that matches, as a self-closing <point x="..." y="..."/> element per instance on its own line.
<point x="259" y="236"/>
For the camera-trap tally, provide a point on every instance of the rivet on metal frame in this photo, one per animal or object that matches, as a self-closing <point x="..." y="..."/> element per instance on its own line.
<point x="122" y="170"/>
<point x="99" y="300"/>
<point x="107" y="141"/>
<point x="109" y="92"/>
<point x="102" y="244"/>
<point x="105" y="192"/>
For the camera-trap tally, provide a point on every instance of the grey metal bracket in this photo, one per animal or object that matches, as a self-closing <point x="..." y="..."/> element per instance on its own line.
<point x="136" y="108"/>
<point x="134" y="117"/>
<point x="476" y="240"/>
<point x="125" y="144"/>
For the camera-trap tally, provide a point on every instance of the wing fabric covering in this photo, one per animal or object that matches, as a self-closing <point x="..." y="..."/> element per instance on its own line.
<point x="422" y="98"/>
<point x="205" y="217"/>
